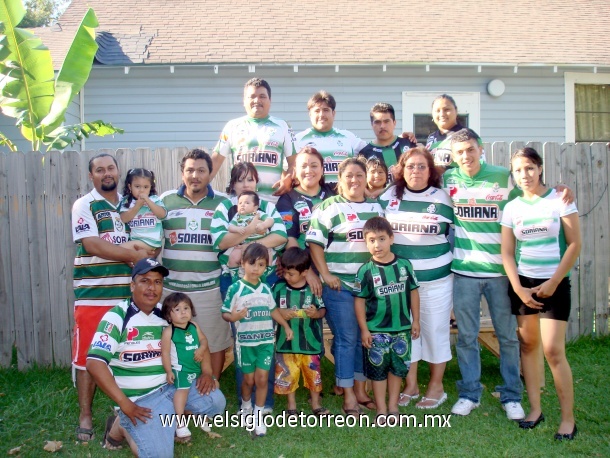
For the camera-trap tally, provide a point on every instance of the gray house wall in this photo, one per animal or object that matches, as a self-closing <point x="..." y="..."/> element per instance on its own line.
<point x="189" y="107"/>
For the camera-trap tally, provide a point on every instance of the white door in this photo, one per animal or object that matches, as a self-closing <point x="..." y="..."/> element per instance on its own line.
<point x="417" y="107"/>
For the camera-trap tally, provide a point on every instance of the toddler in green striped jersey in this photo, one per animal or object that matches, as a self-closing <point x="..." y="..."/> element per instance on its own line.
<point x="376" y="176"/>
<point x="304" y="313"/>
<point x="387" y="310"/>
<point x="250" y="305"/>
<point x="183" y="352"/>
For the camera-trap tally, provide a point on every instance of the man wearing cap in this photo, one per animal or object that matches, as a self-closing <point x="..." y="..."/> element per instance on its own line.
<point x="101" y="271"/>
<point x="125" y="361"/>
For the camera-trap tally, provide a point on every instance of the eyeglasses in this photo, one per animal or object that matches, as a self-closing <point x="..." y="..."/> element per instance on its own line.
<point x="416" y="167"/>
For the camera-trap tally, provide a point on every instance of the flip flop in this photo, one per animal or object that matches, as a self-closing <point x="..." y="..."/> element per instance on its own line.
<point x="437" y="402"/>
<point x="84" y="431"/>
<point x="368" y="405"/>
<point x="404" y="399"/>
<point x="351" y="412"/>
<point x="380" y="419"/>
<point x="292" y="413"/>
<point x="320" y="411"/>
<point x="114" y="444"/>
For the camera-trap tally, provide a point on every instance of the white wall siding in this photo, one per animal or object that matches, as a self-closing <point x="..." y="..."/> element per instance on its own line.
<point x="189" y="107"/>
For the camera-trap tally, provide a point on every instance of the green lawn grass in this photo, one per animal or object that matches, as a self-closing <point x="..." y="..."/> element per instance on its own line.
<point x="41" y="404"/>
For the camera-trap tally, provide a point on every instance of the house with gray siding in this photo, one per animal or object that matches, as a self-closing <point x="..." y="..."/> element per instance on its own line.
<point x="172" y="73"/>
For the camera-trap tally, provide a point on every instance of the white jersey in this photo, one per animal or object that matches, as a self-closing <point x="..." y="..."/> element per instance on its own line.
<point x="537" y="227"/>
<point x="335" y="146"/>
<point x="145" y="226"/>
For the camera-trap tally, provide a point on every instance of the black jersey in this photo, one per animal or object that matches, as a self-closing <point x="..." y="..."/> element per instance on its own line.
<point x="387" y="154"/>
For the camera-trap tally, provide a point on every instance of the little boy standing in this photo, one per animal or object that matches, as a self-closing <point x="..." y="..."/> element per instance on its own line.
<point x="304" y="313"/>
<point x="387" y="310"/>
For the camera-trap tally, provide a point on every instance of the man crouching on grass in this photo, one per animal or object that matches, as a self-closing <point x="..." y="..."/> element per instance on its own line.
<point x="125" y="362"/>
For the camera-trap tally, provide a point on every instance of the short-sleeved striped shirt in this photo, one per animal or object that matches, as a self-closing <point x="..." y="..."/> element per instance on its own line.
<point x="307" y="338"/>
<point x="98" y="281"/>
<point x="420" y="221"/>
<point x="223" y="215"/>
<point x="536" y="223"/>
<point x="478" y="203"/>
<point x="334" y="146"/>
<point x="337" y="226"/>
<point x="257" y="328"/>
<point x="439" y="145"/>
<point x="264" y="142"/>
<point x="129" y="341"/>
<point x="387" y="291"/>
<point x="188" y="251"/>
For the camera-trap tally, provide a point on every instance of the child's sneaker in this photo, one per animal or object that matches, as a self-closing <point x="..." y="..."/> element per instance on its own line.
<point x="206" y="426"/>
<point x="260" y="430"/>
<point x="183" y="433"/>
<point x="464" y="406"/>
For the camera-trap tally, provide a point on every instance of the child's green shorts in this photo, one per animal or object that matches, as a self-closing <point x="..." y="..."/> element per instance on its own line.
<point x="250" y="358"/>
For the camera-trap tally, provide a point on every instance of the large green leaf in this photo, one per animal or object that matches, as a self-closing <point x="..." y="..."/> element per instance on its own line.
<point x="65" y="136"/>
<point x="26" y="72"/>
<point x="74" y="71"/>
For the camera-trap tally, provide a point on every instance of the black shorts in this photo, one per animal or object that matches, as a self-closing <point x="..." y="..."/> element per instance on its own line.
<point x="557" y="307"/>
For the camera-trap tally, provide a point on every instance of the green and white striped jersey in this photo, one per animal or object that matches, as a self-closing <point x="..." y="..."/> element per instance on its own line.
<point x="257" y="328"/>
<point x="264" y="142"/>
<point x="536" y="224"/>
<point x="334" y="146"/>
<point x="336" y="225"/>
<point x="98" y="281"/>
<point x="387" y="291"/>
<point x="478" y="203"/>
<point x="420" y="221"/>
<point x="307" y="338"/>
<point x="188" y="251"/>
<point x="129" y="341"/>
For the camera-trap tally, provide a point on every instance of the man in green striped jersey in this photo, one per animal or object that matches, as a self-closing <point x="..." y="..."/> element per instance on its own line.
<point x="125" y="361"/>
<point x="387" y="310"/>
<point x="479" y="192"/>
<point x="101" y="271"/>
<point x="263" y="140"/>
<point x="188" y="250"/>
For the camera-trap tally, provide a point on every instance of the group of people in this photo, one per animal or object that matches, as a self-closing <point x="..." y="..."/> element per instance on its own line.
<point x="318" y="225"/>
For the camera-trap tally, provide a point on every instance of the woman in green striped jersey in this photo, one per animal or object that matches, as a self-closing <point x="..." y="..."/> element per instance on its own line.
<point x="336" y="243"/>
<point x="546" y="234"/>
<point x="420" y="214"/>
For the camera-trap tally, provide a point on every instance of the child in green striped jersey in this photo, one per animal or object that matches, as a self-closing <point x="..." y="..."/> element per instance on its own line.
<point x="304" y="313"/>
<point x="387" y="310"/>
<point x="376" y="176"/>
<point x="250" y="305"/>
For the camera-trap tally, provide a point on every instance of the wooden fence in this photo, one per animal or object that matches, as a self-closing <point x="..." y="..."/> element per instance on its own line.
<point x="36" y="249"/>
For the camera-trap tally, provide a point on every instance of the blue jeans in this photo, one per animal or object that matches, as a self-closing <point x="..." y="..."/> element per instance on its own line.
<point x="347" y="344"/>
<point x="225" y="282"/>
<point x="154" y="440"/>
<point x="467" y="293"/>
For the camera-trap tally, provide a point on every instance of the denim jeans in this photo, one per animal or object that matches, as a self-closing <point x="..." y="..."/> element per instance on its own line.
<point x="467" y="293"/>
<point x="347" y="344"/>
<point x="154" y="440"/>
<point x="225" y="282"/>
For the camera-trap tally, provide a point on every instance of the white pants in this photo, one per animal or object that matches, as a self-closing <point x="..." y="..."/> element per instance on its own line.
<point x="436" y="301"/>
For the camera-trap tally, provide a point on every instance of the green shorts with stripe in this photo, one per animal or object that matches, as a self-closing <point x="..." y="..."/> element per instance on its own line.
<point x="251" y="358"/>
<point x="390" y="352"/>
<point x="183" y="380"/>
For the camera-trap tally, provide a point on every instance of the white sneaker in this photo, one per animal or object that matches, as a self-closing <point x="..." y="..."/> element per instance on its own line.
<point x="246" y="414"/>
<point x="267" y="411"/>
<point x="259" y="427"/>
<point x="206" y="426"/>
<point x="464" y="406"/>
<point x="183" y="432"/>
<point x="514" y="411"/>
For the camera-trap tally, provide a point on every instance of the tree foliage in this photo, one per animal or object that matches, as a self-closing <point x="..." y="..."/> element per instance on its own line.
<point x="39" y="13"/>
<point x="29" y="90"/>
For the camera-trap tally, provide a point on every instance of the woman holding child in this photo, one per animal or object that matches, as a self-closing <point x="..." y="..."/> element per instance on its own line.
<point x="546" y="234"/>
<point x="337" y="247"/>
<point x="420" y="214"/>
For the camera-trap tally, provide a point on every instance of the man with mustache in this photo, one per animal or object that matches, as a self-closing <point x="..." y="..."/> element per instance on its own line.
<point x="101" y="271"/>
<point x="387" y="147"/>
